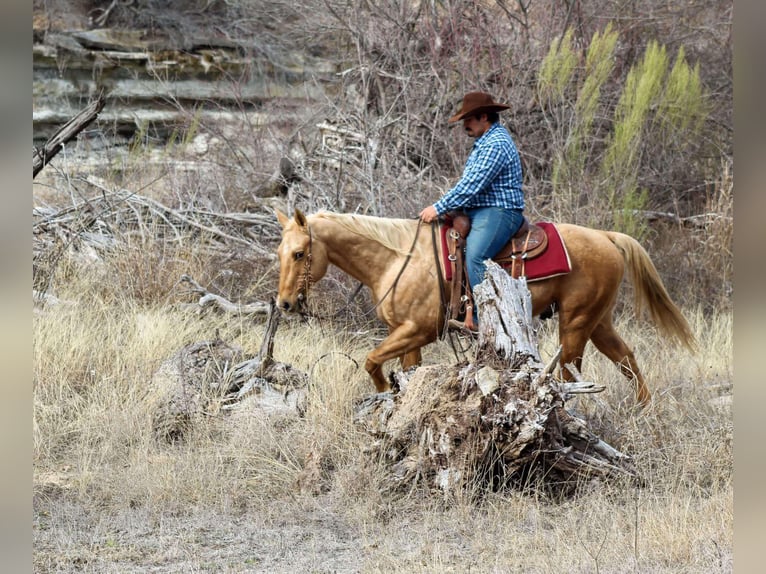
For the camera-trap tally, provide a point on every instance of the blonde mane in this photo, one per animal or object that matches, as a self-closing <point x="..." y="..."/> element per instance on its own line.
<point x="394" y="234"/>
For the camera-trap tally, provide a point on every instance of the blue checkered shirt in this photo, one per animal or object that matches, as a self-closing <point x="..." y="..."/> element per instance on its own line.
<point x="491" y="178"/>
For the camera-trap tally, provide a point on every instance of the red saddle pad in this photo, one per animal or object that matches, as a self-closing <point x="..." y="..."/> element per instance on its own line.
<point x="554" y="261"/>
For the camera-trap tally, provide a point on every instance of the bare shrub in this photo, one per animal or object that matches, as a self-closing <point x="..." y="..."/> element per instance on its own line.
<point x="697" y="260"/>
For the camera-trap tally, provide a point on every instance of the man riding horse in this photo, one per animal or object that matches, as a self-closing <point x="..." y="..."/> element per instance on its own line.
<point x="489" y="191"/>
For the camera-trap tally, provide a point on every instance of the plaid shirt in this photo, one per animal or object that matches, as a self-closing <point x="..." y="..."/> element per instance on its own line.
<point x="491" y="178"/>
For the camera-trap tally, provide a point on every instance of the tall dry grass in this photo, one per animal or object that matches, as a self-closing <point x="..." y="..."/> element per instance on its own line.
<point x="107" y="490"/>
<point x="94" y="449"/>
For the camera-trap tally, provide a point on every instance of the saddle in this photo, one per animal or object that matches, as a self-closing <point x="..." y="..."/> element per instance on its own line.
<point x="528" y="242"/>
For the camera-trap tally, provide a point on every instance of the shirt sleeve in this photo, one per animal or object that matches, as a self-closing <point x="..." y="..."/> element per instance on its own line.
<point x="477" y="176"/>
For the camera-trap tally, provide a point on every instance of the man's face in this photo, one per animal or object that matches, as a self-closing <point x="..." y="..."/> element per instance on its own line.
<point x="475" y="126"/>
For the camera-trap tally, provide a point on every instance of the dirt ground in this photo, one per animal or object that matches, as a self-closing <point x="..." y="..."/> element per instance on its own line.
<point x="282" y="538"/>
<point x="327" y="535"/>
<point x="70" y="538"/>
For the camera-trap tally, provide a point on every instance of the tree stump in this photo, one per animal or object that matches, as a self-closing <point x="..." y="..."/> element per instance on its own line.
<point x="494" y="421"/>
<point x="212" y="377"/>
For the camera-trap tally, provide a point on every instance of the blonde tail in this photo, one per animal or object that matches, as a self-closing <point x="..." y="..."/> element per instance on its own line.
<point x="650" y="291"/>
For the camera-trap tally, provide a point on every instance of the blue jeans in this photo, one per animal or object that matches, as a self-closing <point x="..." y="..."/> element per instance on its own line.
<point x="491" y="229"/>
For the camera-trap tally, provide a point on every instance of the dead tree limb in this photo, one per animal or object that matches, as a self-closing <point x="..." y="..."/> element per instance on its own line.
<point x="213" y="377"/>
<point x="699" y="221"/>
<point x="41" y="157"/>
<point x="208" y="299"/>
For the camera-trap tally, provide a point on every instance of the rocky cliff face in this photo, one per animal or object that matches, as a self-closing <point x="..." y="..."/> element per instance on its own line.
<point x="154" y="86"/>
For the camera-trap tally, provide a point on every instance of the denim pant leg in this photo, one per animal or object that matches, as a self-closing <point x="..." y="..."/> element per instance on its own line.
<point x="491" y="228"/>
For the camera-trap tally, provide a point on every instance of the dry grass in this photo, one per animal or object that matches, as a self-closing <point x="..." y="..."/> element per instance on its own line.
<point x="109" y="498"/>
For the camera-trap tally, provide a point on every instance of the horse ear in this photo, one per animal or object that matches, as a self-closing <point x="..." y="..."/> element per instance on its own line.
<point x="300" y="219"/>
<point x="281" y="217"/>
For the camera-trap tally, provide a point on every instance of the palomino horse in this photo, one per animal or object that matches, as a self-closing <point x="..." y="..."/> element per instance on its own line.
<point x="395" y="259"/>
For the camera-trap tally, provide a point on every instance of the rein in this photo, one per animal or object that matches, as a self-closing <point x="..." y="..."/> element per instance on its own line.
<point x="307" y="272"/>
<point x="307" y="268"/>
<point x="401" y="271"/>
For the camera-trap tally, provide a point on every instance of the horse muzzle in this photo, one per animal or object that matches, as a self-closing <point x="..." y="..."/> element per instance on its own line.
<point x="291" y="307"/>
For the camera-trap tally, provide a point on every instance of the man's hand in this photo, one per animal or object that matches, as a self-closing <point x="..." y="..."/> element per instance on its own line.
<point x="428" y="214"/>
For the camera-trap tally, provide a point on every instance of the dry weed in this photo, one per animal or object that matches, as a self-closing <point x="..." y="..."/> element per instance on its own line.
<point x="94" y="449"/>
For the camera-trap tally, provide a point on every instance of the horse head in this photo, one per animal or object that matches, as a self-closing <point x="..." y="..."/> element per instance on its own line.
<point x="302" y="261"/>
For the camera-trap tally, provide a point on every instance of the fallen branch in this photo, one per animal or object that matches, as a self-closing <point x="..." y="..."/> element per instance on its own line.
<point x="128" y="211"/>
<point x="41" y="157"/>
<point x="208" y="299"/>
<point x="697" y="221"/>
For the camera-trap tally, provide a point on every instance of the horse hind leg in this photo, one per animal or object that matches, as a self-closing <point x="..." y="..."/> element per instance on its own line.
<point x="573" y="341"/>
<point x="606" y="340"/>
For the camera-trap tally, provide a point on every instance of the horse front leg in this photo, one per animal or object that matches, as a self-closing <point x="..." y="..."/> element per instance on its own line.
<point x="404" y="342"/>
<point x="375" y="370"/>
<point x="410" y="359"/>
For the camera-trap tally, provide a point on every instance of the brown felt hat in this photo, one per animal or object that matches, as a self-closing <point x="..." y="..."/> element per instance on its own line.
<point x="475" y="103"/>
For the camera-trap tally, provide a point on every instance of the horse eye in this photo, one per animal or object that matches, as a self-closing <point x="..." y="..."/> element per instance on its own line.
<point x="298" y="255"/>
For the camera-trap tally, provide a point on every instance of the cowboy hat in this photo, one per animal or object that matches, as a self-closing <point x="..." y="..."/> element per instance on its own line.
<point x="475" y="103"/>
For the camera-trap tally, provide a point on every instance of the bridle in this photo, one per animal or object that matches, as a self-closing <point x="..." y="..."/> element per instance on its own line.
<point x="303" y="294"/>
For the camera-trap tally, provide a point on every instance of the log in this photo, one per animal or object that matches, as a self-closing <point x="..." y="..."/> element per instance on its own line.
<point x="505" y="323"/>
<point x="491" y="423"/>
<point x="699" y="221"/>
<point x="41" y="157"/>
